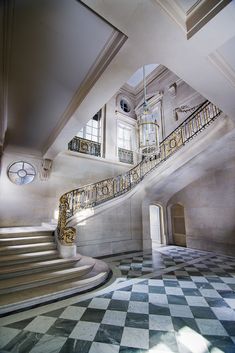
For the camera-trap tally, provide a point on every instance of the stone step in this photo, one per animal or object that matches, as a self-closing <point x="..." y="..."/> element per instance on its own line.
<point x="42" y="294"/>
<point x="14" y="234"/>
<point x="31" y="281"/>
<point x="35" y="267"/>
<point x="26" y="240"/>
<point x="12" y="260"/>
<point x="20" y="249"/>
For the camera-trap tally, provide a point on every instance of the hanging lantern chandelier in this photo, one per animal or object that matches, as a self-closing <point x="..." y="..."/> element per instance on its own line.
<point x="147" y="127"/>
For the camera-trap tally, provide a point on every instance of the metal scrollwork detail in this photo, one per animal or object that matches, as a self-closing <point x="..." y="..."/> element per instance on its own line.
<point x="66" y="235"/>
<point x="94" y="194"/>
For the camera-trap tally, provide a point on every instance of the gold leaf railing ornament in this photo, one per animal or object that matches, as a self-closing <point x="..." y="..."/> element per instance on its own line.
<point x="94" y="194"/>
<point x="66" y="235"/>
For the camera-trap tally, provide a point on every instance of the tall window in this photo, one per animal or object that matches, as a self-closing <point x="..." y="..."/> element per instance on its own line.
<point x="92" y="130"/>
<point x="124" y="137"/>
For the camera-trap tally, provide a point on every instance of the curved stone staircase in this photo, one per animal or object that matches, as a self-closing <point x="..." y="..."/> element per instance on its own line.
<point x="32" y="271"/>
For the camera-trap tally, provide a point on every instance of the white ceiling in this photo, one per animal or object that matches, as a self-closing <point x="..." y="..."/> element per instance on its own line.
<point x="228" y="52"/>
<point x="135" y="79"/>
<point x="55" y="43"/>
<point x="186" y="4"/>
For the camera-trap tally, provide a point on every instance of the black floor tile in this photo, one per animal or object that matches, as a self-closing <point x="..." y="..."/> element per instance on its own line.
<point x="119" y="305"/>
<point x="109" y="334"/>
<point x="137" y="320"/>
<point x="20" y="325"/>
<point x="23" y="342"/>
<point x="229" y="327"/>
<point x="217" y="302"/>
<point x="166" y="338"/>
<point x="201" y="312"/>
<point x="139" y="297"/>
<point x="181" y="322"/>
<point x="224" y="344"/>
<point x="93" y="315"/>
<point x="176" y="299"/>
<point x="62" y="327"/>
<point x="75" y="346"/>
<point x="191" y="292"/>
<point x="132" y="350"/>
<point x="83" y="303"/>
<point x="159" y="309"/>
<point x="157" y="289"/>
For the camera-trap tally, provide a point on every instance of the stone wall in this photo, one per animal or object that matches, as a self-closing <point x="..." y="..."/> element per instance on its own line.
<point x="209" y="210"/>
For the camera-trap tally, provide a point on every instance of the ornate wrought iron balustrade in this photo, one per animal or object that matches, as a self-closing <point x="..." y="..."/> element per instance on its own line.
<point x="125" y="156"/>
<point x="97" y="193"/>
<point x="81" y="145"/>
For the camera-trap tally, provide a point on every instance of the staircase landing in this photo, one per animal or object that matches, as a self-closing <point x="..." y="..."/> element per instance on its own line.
<point x="32" y="271"/>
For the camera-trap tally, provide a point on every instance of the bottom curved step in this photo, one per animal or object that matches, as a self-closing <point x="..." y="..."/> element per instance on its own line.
<point x="41" y="294"/>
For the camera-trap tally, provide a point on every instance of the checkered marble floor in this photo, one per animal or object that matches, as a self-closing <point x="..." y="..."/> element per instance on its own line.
<point x="188" y="309"/>
<point x="145" y="263"/>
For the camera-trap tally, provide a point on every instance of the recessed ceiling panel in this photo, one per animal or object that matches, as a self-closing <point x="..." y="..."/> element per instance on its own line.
<point x="137" y="77"/>
<point x="55" y="43"/>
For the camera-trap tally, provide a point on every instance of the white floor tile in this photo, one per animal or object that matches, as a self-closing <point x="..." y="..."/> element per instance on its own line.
<point x="138" y="307"/>
<point x="121" y="295"/>
<point x="72" y="313"/>
<point x="135" y="337"/>
<point x="99" y="303"/>
<point x="160" y="322"/>
<point x="40" y="324"/>
<point x="49" y="344"/>
<point x="85" y="330"/>
<point x="196" y="301"/>
<point x="112" y="317"/>
<point x="158" y="298"/>
<point x="174" y="291"/>
<point x="210" y="293"/>
<point x="7" y="334"/>
<point x="98" y="347"/>
<point x="141" y="288"/>
<point x="224" y="314"/>
<point x="187" y="284"/>
<point x="180" y="310"/>
<point x="211" y="327"/>
<point x="230" y="302"/>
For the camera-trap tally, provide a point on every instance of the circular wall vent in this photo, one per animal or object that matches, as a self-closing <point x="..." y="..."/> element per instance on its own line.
<point x="21" y="173"/>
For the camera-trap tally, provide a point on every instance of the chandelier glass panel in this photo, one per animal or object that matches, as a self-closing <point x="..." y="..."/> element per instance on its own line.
<point x="147" y="127"/>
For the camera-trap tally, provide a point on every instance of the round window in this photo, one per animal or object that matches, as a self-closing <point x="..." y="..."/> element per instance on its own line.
<point x="125" y="106"/>
<point x="21" y="173"/>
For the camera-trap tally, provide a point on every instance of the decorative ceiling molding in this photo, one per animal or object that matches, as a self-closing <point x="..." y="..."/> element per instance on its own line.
<point x="220" y="63"/>
<point x="201" y="13"/>
<point x="113" y="45"/>
<point x="158" y="73"/>
<point x="6" y="15"/>
<point x="174" y="11"/>
<point x="196" y="17"/>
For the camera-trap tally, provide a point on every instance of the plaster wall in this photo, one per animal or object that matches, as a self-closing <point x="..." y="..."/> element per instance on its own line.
<point x="209" y="210"/>
<point x="185" y="95"/>
<point x="117" y="229"/>
<point x="32" y="204"/>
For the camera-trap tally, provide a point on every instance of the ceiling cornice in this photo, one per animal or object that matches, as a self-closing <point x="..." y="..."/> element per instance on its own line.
<point x="196" y="17"/>
<point x="6" y="15"/>
<point x="113" y="45"/>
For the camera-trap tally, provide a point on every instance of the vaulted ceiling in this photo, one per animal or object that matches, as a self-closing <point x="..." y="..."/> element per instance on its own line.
<point x="56" y="44"/>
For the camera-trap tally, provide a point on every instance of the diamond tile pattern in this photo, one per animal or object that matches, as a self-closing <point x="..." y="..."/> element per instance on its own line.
<point x="179" y="311"/>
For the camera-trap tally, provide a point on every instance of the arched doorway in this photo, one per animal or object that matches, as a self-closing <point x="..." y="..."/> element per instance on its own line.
<point x="178" y="225"/>
<point x="155" y="225"/>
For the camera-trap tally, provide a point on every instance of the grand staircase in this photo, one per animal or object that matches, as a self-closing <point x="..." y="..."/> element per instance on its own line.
<point x="32" y="271"/>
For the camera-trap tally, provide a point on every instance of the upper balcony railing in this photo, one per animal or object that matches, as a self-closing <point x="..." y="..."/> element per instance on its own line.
<point x="94" y="194"/>
<point x="82" y="145"/>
